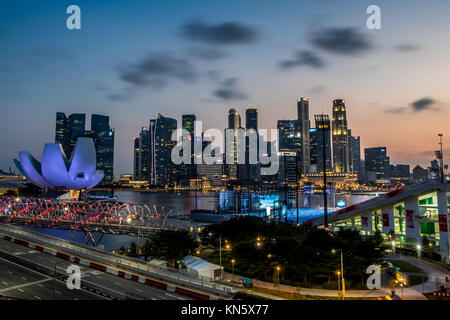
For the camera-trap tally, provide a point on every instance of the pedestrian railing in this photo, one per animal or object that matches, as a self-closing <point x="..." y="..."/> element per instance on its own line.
<point x="131" y="264"/>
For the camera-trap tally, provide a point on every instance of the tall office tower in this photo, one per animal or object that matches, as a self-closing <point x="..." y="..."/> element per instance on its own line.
<point x="304" y="125"/>
<point x="340" y="139"/>
<point x="377" y="164"/>
<point x="313" y="150"/>
<point x="234" y="122"/>
<point x="354" y="144"/>
<point x="189" y="171"/>
<point x="77" y="126"/>
<point x="68" y="130"/>
<point x="251" y="171"/>
<point x="289" y="135"/>
<point x="251" y="118"/>
<point x="62" y="132"/>
<point x="144" y="157"/>
<point x="323" y="142"/>
<point x="103" y="137"/>
<point x="400" y="173"/>
<point x="234" y="119"/>
<point x="164" y="171"/>
<point x="136" y="154"/>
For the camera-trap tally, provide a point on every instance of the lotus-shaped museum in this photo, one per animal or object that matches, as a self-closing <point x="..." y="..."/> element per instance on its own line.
<point x="56" y="171"/>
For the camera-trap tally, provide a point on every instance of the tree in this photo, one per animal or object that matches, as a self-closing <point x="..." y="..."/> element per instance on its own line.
<point x="133" y="250"/>
<point x="172" y="245"/>
<point x="147" y="249"/>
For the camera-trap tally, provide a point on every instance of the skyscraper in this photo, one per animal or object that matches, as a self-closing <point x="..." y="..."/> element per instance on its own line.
<point x="355" y="154"/>
<point x="251" y="170"/>
<point x="377" y="164"/>
<point x="251" y="118"/>
<point x="143" y="159"/>
<point x="289" y="135"/>
<point x="340" y="139"/>
<point x="77" y="126"/>
<point x="103" y="137"/>
<point x="323" y="142"/>
<point x="234" y="123"/>
<point x="163" y="170"/>
<point x="68" y="129"/>
<point x="188" y="171"/>
<point x="136" y="154"/>
<point x="62" y="133"/>
<point x="303" y="123"/>
<point x="313" y="155"/>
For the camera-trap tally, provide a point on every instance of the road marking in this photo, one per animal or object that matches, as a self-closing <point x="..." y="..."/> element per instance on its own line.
<point x="139" y="290"/>
<point x="37" y="298"/>
<point x="4" y="283"/>
<point x="20" y="290"/>
<point x="58" y="292"/>
<point x="168" y="294"/>
<point x="153" y="298"/>
<point x="24" y="278"/>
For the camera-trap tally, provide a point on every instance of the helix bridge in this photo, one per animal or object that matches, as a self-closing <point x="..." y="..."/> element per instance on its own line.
<point x="93" y="218"/>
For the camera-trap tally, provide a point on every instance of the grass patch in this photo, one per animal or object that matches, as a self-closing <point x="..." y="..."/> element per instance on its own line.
<point x="416" y="280"/>
<point x="405" y="266"/>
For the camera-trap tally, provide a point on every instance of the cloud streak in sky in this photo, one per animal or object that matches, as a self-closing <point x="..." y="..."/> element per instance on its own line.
<point x="342" y="41"/>
<point x="228" y="33"/>
<point x="228" y="90"/>
<point x="156" y="70"/>
<point x="303" y="58"/>
<point x="423" y="104"/>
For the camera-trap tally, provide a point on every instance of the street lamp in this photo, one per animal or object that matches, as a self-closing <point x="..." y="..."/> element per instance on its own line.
<point x="232" y="264"/>
<point x="418" y="250"/>
<point x="278" y="275"/>
<point x="338" y="273"/>
<point x="393" y="246"/>
<point x="342" y="271"/>
<point x="220" y="253"/>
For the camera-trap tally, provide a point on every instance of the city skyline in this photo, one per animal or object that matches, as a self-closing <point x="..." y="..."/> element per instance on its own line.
<point x="398" y="101"/>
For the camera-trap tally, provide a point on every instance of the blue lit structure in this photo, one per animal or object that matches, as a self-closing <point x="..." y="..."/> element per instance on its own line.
<point x="56" y="171"/>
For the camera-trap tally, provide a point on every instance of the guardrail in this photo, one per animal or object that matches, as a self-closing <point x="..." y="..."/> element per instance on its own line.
<point x="134" y="265"/>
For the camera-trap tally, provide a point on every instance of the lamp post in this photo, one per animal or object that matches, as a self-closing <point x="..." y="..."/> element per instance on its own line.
<point x="342" y="272"/>
<point x="278" y="277"/>
<point x="220" y="254"/>
<point x="232" y="266"/>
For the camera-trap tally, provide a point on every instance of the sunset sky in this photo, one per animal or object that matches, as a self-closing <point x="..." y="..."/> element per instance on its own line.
<point x="132" y="59"/>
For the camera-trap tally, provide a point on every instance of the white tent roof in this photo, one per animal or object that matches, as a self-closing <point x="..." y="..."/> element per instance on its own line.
<point x="203" y="267"/>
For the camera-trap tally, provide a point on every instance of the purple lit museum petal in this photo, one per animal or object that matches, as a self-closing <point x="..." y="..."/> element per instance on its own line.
<point x="32" y="170"/>
<point x="95" y="180"/>
<point x="82" y="170"/>
<point x="54" y="167"/>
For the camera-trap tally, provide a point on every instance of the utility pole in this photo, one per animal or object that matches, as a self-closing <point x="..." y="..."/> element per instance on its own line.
<point x="296" y="183"/>
<point x="441" y="159"/>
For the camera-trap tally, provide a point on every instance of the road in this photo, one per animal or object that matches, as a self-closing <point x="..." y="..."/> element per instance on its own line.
<point x="25" y="282"/>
